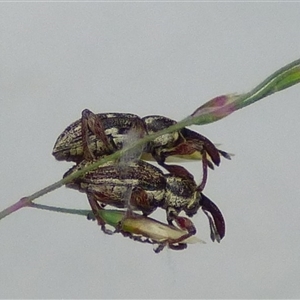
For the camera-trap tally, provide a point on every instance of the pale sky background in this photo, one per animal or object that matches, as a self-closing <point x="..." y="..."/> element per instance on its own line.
<point x="150" y="58"/>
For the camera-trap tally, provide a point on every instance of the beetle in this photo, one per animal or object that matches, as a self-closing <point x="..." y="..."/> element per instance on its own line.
<point x="97" y="135"/>
<point x="145" y="187"/>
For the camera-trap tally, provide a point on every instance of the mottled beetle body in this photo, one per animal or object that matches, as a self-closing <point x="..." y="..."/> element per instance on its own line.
<point x="107" y="186"/>
<point x="95" y="135"/>
<point x="147" y="188"/>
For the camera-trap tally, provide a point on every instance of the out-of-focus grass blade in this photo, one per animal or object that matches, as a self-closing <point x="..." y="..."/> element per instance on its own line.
<point x="222" y="106"/>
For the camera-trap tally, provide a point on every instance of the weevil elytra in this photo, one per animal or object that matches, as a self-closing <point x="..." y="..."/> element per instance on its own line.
<point x="96" y="135"/>
<point x="150" y="189"/>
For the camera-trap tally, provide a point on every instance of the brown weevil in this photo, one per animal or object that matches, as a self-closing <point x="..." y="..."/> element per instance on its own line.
<point x="145" y="187"/>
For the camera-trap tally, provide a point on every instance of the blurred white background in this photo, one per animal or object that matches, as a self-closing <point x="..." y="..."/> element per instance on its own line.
<point x="150" y="58"/>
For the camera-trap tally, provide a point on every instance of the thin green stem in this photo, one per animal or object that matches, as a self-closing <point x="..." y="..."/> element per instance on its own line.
<point x="80" y="212"/>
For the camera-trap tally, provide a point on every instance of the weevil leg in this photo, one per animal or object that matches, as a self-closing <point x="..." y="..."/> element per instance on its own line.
<point x="172" y="245"/>
<point x="128" y="213"/>
<point x="183" y="223"/>
<point x="91" y="216"/>
<point x="215" y="217"/>
<point x="137" y="198"/>
<point x="90" y="121"/>
<point x="206" y="147"/>
<point x="186" y="148"/>
<point x="159" y="247"/>
<point x="95" y="208"/>
<point x="87" y="153"/>
<point x="180" y="246"/>
<point x="140" y="200"/>
<point x="183" y="148"/>
<point x="178" y="171"/>
<point x="204" y="172"/>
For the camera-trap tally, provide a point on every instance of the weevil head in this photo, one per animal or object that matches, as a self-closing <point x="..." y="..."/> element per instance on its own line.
<point x="214" y="215"/>
<point x="193" y="205"/>
<point x="181" y="194"/>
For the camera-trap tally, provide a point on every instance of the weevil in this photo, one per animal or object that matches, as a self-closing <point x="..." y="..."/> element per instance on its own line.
<point x="96" y="135"/>
<point x="148" y="230"/>
<point x="146" y="187"/>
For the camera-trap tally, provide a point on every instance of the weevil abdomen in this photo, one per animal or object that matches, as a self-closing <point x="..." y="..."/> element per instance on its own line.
<point x="69" y="145"/>
<point x="109" y="184"/>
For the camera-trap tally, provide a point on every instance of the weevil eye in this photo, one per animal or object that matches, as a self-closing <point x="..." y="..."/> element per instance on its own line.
<point x="191" y="211"/>
<point x="192" y="207"/>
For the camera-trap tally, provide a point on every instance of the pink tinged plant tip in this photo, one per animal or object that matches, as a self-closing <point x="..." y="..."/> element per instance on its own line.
<point x="218" y="107"/>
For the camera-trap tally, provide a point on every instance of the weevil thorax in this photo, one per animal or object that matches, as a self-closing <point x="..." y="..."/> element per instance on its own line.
<point x="156" y="123"/>
<point x="69" y="146"/>
<point x="181" y="194"/>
